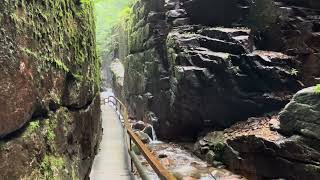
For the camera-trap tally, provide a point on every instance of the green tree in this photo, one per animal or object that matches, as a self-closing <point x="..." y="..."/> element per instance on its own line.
<point x="108" y="13"/>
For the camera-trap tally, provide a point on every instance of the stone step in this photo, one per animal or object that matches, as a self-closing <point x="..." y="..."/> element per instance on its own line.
<point x="225" y="40"/>
<point x="271" y="55"/>
<point x="189" y="68"/>
<point x="271" y="58"/>
<point x="216" y="32"/>
<point x="219" y="45"/>
<point x="192" y="75"/>
<point x="205" y="58"/>
<point x="300" y="4"/>
<point x="201" y="57"/>
<point x="239" y="35"/>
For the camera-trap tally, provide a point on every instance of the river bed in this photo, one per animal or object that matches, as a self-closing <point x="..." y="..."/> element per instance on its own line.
<point x="184" y="165"/>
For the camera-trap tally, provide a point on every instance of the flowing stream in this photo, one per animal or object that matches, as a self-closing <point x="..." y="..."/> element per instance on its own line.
<point x="179" y="159"/>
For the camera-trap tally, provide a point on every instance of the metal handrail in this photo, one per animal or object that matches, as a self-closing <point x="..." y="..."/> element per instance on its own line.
<point x="151" y="159"/>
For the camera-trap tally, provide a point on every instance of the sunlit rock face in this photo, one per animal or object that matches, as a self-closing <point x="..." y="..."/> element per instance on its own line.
<point x="49" y="78"/>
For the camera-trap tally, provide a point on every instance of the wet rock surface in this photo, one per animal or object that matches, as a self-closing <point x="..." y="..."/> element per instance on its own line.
<point x="180" y="70"/>
<point x="272" y="155"/>
<point x="270" y="147"/>
<point x="186" y="70"/>
<point x="184" y="165"/>
<point x="61" y="146"/>
<point x="201" y="65"/>
<point x="212" y="79"/>
<point x="49" y="82"/>
<point x="40" y="70"/>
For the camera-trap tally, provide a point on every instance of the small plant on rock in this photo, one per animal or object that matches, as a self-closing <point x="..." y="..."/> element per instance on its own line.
<point x="294" y="72"/>
<point x="317" y="89"/>
<point x="51" y="165"/>
<point x="34" y="126"/>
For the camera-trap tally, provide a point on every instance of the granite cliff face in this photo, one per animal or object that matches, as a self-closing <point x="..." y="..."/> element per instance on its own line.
<point x="228" y="67"/>
<point x="200" y="64"/>
<point x="49" y="90"/>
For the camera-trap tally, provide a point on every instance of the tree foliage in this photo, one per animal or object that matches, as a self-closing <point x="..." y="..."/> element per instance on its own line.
<point x="108" y="14"/>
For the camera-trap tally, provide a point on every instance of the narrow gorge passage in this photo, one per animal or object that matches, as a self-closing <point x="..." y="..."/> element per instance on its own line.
<point x="112" y="161"/>
<point x="235" y="83"/>
<point x="209" y="89"/>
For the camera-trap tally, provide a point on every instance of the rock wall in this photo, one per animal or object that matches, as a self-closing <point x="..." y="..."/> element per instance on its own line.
<point x="201" y="64"/>
<point x="49" y="89"/>
<point x="146" y="76"/>
<point x="229" y="67"/>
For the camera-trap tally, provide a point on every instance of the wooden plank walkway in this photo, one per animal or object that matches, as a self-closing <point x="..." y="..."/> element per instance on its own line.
<point x="111" y="163"/>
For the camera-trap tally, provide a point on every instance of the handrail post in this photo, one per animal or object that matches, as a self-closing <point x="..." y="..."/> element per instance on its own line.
<point x="130" y="149"/>
<point x="116" y="106"/>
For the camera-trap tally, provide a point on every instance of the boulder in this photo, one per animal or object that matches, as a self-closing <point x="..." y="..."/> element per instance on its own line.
<point x="145" y="138"/>
<point x="139" y="125"/>
<point x="254" y="149"/>
<point x="258" y="158"/>
<point x="302" y="115"/>
<point x="149" y="130"/>
<point x="186" y="171"/>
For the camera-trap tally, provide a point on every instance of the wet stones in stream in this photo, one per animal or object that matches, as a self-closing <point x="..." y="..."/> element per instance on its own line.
<point x="143" y="130"/>
<point x="179" y="158"/>
<point x="183" y="164"/>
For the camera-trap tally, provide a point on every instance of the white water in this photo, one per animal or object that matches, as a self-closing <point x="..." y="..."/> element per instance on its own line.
<point x="154" y="135"/>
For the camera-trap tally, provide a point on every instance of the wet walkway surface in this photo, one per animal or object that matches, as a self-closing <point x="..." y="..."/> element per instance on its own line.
<point x="111" y="163"/>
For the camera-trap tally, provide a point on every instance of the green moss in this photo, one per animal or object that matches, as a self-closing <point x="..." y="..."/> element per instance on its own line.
<point x="58" y="33"/>
<point x="51" y="38"/>
<point x="78" y="77"/>
<point x="51" y="165"/>
<point x="57" y="62"/>
<point x="34" y="126"/>
<point x="31" y="128"/>
<point x="50" y="135"/>
<point x="74" y="171"/>
<point x="50" y="126"/>
<point x="317" y="89"/>
<point x="219" y="150"/>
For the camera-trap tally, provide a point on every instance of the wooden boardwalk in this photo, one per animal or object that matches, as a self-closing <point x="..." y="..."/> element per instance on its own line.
<point x="111" y="163"/>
